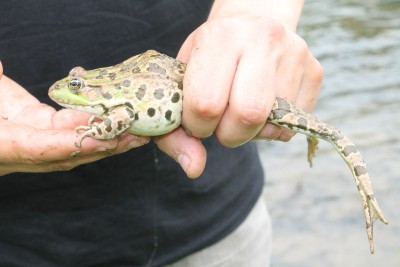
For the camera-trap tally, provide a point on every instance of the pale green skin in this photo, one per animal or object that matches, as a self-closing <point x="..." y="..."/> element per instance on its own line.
<point x="116" y="95"/>
<point x="142" y="95"/>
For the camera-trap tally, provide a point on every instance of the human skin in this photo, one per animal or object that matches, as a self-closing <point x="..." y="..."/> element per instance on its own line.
<point x="245" y="55"/>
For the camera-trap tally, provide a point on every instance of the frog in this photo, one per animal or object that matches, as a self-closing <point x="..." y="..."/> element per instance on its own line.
<point x="143" y="95"/>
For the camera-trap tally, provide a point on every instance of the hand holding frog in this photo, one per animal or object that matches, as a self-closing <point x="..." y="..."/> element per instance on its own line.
<point x="36" y="138"/>
<point x="237" y="65"/>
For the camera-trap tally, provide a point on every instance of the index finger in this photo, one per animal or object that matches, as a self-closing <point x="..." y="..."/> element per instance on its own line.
<point x="207" y="84"/>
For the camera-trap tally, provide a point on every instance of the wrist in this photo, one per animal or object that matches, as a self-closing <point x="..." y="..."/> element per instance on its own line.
<point x="286" y="12"/>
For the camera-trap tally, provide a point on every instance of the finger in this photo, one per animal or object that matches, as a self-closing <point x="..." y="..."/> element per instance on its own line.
<point x="69" y="119"/>
<point x="186" y="150"/>
<point x="1" y="69"/>
<point x="289" y="76"/>
<point x="207" y="82"/>
<point x="28" y="145"/>
<point x="251" y="98"/>
<point x="61" y="165"/>
<point x="311" y="84"/>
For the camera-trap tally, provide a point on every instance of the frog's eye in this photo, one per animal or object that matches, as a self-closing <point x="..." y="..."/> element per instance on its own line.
<point x="75" y="84"/>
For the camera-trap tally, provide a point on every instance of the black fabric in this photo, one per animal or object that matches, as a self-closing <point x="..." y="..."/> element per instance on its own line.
<point x="134" y="209"/>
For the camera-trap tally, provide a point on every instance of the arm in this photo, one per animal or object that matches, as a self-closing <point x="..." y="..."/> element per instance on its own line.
<point x="286" y="12"/>
<point x="245" y="55"/>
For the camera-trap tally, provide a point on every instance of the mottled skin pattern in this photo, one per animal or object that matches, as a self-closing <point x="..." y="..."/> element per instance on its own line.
<point x="143" y="95"/>
<point x="289" y="116"/>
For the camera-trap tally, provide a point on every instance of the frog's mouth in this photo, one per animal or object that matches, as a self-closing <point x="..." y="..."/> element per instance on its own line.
<point x="62" y="95"/>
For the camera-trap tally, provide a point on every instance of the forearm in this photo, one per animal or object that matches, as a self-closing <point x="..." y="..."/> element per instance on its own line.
<point x="285" y="11"/>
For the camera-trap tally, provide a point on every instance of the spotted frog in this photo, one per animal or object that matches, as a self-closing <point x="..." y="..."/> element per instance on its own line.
<point x="143" y="95"/>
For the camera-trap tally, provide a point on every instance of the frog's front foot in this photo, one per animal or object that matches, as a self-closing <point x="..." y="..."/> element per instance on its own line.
<point x="96" y="130"/>
<point x="88" y="132"/>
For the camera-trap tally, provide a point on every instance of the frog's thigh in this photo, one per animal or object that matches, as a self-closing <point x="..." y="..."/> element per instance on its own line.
<point x="114" y="123"/>
<point x="118" y="120"/>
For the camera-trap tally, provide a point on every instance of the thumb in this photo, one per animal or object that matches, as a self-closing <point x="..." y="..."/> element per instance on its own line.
<point x="188" y="151"/>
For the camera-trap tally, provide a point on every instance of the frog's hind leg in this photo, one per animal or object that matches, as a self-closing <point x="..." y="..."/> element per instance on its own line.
<point x="115" y="122"/>
<point x="312" y="148"/>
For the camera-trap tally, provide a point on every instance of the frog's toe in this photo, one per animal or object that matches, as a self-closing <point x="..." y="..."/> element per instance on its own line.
<point x="82" y="128"/>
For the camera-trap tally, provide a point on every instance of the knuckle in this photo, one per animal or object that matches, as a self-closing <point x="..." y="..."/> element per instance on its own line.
<point x="317" y="72"/>
<point x="263" y="31"/>
<point x="271" y="28"/>
<point x="298" y="52"/>
<point x="205" y="108"/>
<point x="216" y="30"/>
<point x="252" y="117"/>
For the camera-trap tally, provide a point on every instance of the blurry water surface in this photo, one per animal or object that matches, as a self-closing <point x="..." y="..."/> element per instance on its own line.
<point x="317" y="215"/>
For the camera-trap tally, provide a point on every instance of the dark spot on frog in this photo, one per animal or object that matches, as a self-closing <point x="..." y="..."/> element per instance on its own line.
<point x="283" y="104"/>
<point x="103" y="72"/>
<point x="99" y="77"/>
<point x="279" y="113"/>
<point x="99" y="131"/>
<point x="141" y="91"/>
<point x="126" y="83"/>
<point x="180" y="85"/>
<point x="349" y="150"/>
<point x="359" y="170"/>
<point x="302" y="123"/>
<point x="112" y="76"/>
<point x="129" y="105"/>
<point x="154" y="67"/>
<point x="107" y="95"/>
<point x="117" y="86"/>
<point x="168" y="114"/>
<point x="107" y="123"/>
<point x="136" y="116"/>
<point x="175" y="97"/>
<point x="136" y="70"/>
<point x="130" y="112"/>
<point x="159" y="93"/>
<point x="151" y="112"/>
<point x="119" y="126"/>
<point x="129" y="66"/>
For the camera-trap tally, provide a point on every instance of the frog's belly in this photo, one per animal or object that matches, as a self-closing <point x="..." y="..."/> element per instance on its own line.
<point x="145" y="125"/>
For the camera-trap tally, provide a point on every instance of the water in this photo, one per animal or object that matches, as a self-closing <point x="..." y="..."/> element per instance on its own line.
<point x="318" y="220"/>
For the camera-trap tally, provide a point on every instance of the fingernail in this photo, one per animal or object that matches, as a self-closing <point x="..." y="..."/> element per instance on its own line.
<point x="184" y="161"/>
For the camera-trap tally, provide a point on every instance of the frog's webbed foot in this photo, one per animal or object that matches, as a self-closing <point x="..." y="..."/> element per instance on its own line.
<point x="312" y="148"/>
<point x="372" y="212"/>
<point x="117" y="121"/>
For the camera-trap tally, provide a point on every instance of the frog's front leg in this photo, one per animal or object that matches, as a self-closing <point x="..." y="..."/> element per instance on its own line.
<point x="116" y="121"/>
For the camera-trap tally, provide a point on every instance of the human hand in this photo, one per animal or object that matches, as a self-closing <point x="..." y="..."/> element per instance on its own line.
<point x="35" y="137"/>
<point x="237" y="65"/>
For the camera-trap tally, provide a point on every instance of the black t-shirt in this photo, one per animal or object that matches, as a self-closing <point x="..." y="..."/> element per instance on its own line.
<point x="134" y="209"/>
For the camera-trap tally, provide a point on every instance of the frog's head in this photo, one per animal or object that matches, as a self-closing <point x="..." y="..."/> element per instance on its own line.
<point x="81" y="90"/>
<point x="69" y="91"/>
